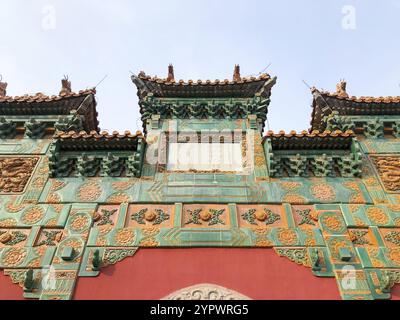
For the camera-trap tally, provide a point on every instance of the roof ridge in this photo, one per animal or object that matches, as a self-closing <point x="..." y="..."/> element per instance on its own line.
<point x="144" y="76"/>
<point x="41" y="97"/>
<point x="368" y="99"/>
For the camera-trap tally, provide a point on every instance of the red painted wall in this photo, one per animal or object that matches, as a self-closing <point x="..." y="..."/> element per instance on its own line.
<point x="256" y="273"/>
<point x="8" y="290"/>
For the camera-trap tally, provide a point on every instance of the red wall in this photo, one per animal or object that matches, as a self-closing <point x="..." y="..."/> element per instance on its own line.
<point x="256" y="273"/>
<point x="8" y="290"/>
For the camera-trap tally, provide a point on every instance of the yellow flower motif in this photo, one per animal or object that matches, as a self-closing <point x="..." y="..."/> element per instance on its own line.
<point x="79" y="223"/>
<point x="14" y="257"/>
<point x="377" y="215"/>
<point x="287" y="236"/>
<point x="323" y="192"/>
<point x="33" y="215"/>
<point x="124" y="237"/>
<point x="89" y="191"/>
<point x="333" y="223"/>
<point x="394" y="255"/>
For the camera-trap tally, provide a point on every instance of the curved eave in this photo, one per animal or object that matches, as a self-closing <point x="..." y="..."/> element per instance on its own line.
<point x="90" y="141"/>
<point x="39" y="104"/>
<point x="325" y="102"/>
<point x="328" y="140"/>
<point x="245" y="88"/>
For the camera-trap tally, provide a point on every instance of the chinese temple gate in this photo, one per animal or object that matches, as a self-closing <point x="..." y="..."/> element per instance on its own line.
<point x="202" y="204"/>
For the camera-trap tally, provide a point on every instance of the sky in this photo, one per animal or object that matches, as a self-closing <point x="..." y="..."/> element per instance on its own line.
<point x="319" y="42"/>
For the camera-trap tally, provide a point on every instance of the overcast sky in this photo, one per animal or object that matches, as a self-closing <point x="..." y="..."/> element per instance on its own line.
<point x="316" y="41"/>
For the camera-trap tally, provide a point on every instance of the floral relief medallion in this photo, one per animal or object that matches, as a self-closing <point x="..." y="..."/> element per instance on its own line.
<point x="256" y="216"/>
<point x="13" y="257"/>
<point x="33" y="215"/>
<point x="287" y="237"/>
<point x="323" y="192"/>
<point x="333" y="222"/>
<point x="89" y="191"/>
<point x="79" y="223"/>
<point x="149" y="216"/>
<point x="205" y="216"/>
<point x="377" y="215"/>
<point x="394" y="256"/>
<point x="125" y="237"/>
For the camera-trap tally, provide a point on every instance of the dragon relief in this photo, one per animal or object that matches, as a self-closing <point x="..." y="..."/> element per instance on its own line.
<point x="389" y="172"/>
<point x="15" y="173"/>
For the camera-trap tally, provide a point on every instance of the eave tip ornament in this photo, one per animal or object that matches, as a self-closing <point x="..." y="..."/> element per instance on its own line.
<point x="3" y="87"/>
<point x="341" y="89"/>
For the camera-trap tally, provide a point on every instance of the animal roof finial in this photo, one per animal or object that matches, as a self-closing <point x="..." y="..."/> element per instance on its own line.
<point x="171" y="76"/>
<point x="341" y="88"/>
<point x="236" y="73"/>
<point x="3" y="87"/>
<point x="65" y="86"/>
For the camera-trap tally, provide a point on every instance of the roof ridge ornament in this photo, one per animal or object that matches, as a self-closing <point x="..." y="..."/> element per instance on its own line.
<point x="3" y="87"/>
<point x="236" y="73"/>
<point x="341" y="89"/>
<point x="65" y="86"/>
<point x="171" y="76"/>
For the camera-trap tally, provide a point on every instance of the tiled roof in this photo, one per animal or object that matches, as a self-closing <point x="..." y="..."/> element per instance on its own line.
<point x="41" y="97"/>
<point x="77" y="141"/>
<point x="313" y="134"/>
<point x="143" y="76"/>
<point x="94" y="135"/>
<point x="306" y="140"/>
<point x="63" y="104"/>
<point x="388" y="99"/>
<point x="243" y="87"/>
<point x="325" y="102"/>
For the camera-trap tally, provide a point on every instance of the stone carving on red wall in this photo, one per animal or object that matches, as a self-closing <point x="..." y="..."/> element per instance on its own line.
<point x="206" y="292"/>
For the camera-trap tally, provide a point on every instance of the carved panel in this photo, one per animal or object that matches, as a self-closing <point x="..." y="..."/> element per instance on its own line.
<point x="206" y="292"/>
<point x="15" y="173"/>
<point x="389" y="171"/>
<point x="206" y="216"/>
